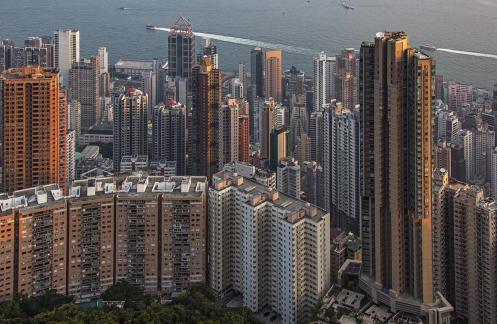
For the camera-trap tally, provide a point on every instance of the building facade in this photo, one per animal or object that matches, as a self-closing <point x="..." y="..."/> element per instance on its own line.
<point x="84" y="87"/>
<point x="324" y="67"/>
<point x="346" y="78"/>
<point x="342" y="168"/>
<point x="256" y="239"/>
<point x="169" y="133"/>
<point x="396" y="100"/>
<point x="66" y="44"/>
<point x="34" y="128"/>
<point x="206" y="90"/>
<point x="273" y="75"/>
<point x="181" y="49"/>
<point x="130" y="135"/>
<point x="150" y="231"/>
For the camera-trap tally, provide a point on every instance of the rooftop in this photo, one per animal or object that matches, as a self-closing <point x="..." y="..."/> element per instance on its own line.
<point x="90" y="152"/>
<point x="103" y="186"/>
<point x="350" y="298"/>
<point x="296" y="210"/>
<point x="182" y="26"/>
<point x="30" y="72"/>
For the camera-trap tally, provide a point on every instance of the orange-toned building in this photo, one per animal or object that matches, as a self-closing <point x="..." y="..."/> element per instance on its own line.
<point x="206" y="91"/>
<point x="34" y="135"/>
<point x="148" y="230"/>
<point x="7" y="256"/>
<point x="396" y="98"/>
<point x="273" y="81"/>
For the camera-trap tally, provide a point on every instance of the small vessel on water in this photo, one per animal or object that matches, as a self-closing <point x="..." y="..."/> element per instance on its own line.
<point x="152" y="27"/>
<point x="347" y="6"/>
<point x="428" y="47"/>
<point x="124" y="8"/>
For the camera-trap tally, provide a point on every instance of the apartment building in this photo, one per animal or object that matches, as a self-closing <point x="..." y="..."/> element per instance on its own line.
<point x="257" y="239"/>
<point x="148" y="230"/>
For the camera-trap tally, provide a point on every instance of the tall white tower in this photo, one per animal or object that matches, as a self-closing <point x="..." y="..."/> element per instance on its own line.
<point x="324" y="68"/>
<point x="66" y="52"/>
<point x="103" y="59"/>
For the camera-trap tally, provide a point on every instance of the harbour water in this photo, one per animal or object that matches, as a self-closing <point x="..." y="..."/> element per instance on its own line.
<point x="309" y="26"/>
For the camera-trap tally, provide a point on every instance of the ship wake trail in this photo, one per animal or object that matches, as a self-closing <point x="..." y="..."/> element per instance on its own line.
<point x="475" y="54"/>
<point x="254" y="43"/>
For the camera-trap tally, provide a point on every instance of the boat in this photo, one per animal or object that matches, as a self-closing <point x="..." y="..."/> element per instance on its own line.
<point x="428" y="47"/>
<point x="124" y="8"/>
<point x="152" y="27"/>
<point x="347" y="6"/>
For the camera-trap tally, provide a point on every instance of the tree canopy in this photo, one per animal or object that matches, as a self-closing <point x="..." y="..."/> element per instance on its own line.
<point x="194" y="306"/>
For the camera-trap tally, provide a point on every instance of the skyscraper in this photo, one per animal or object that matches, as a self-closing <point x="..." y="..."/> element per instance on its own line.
<point x="130" y="125"/>
<point x="459" y="95"/>
<point x="244" y="133"/>
<point x="256" y="107"/>
<point x="311" y="174"/>
<point x="278" y="147"/>
<point x="299" y="121"/>
<point x="210" y="50"/>
<point x="66" y="52"/>
<point x="294" y="82"/>
<point x="273" y="77"/>
<point x="341" y="170"/>
<point x="228" y="131"/>
<point x="84" y="87"/>
<point x="181" y="49"/>
<point x="316" y="134"/>
<point x="34" y="129"/>
<point x="74" y="118"/>
<point x="237" y="89"/>
<point x="465" y="138"/>
<point x="257" y="72"/>
<point x="169" y="133"/>
<point x="396" y="100"/>
<point x="464" y="243"/>
<point x="324" y="67"/>
<point x="346" y="78"/>
<point x="494" y="98"/>
<point x="206" y="91"/>
<point x="103" y="60"/>
<point x="267" y="124"/>
<point x="71" y="162"/>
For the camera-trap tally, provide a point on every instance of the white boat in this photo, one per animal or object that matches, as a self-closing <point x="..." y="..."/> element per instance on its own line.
<point x="347" y="6"/>
<point x="428" y="47"/>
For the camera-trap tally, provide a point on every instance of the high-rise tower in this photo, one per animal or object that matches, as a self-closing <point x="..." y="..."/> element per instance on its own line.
<point x="396" y="100"/>
<point x="273" y="79"/>
<point x="228" y="131"/>
<point x="181" y="49"/>
<point x="206" y="91"/>
<point x="130" y="125"/>
<point x="34" y="128"/>
<point x="323" y="80"/>
<point x="66" y="52"/>
<point x="210" y="50"/>
<point x="346" y="78"/>
<point x="267" y="124"/>
<point x="84" y="85"/>
<point x="170" y="135"/>
<point x="257" y="72"/>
